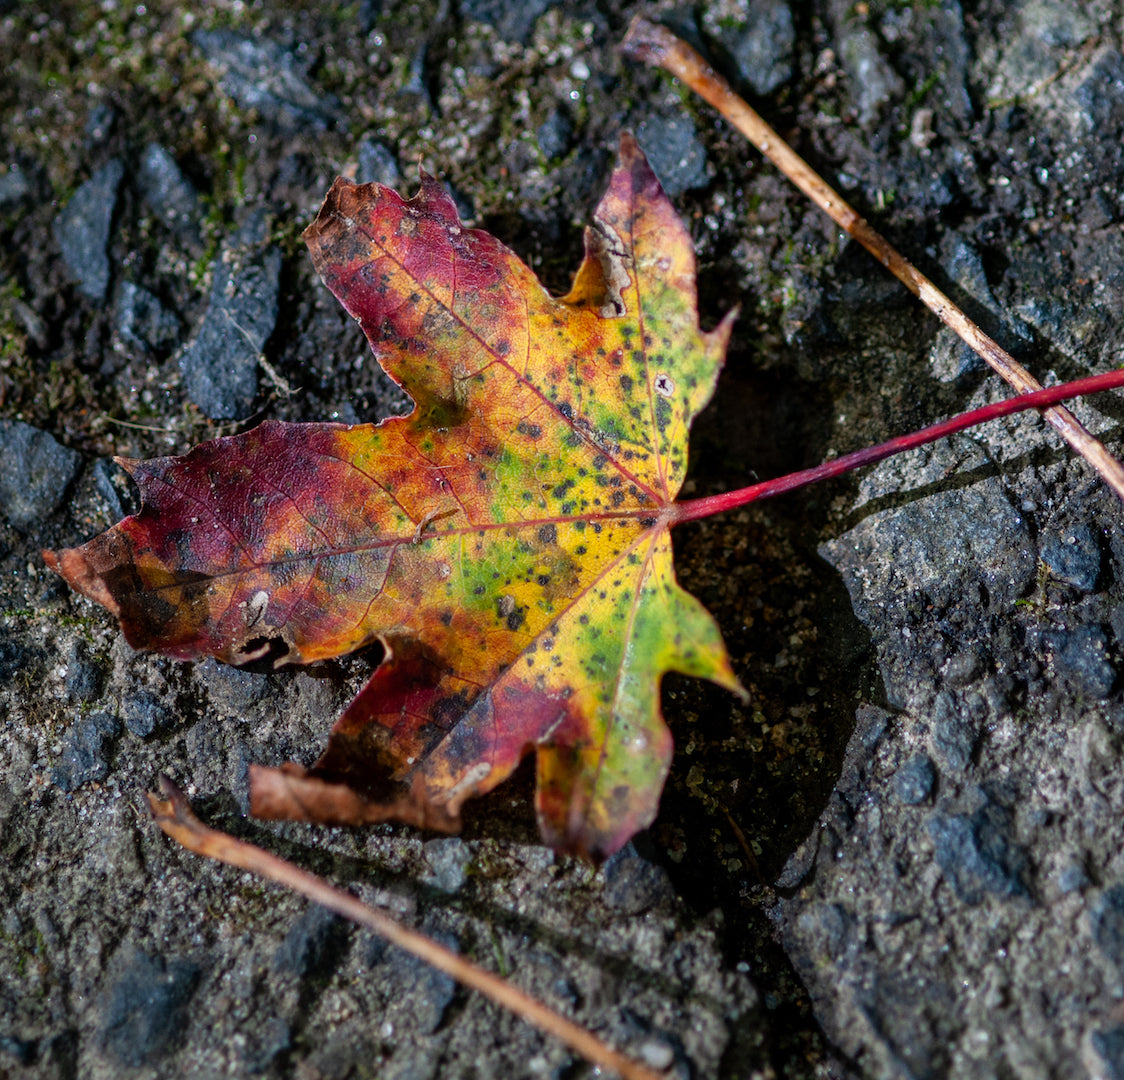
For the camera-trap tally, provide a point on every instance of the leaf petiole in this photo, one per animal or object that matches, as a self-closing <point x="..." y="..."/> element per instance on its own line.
<point x="692" y="509"/>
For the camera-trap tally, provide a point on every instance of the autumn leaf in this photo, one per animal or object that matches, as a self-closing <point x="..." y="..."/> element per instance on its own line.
<point x="507" y="541"/>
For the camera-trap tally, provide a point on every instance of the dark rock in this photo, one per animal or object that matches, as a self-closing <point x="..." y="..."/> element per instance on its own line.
<point x="266" y="1043"/>
<point x="633" y="884"/>
<point x="976" y="854"/>
<point x="83" y="751"/>
<point x="19" y="1050"/>
<point x="144" y="1013"/>
<point x="448" y="858"/>
<point x="169" y="194"/>
<point x="220" y="366"/>
<point x="1073" y="557"/>
<point x="377" y="164"/>
<point x="514" y="20"/>
<point x="1080" y="657"/>
<point x="873" y="83"/>
<point x="35" y="473"/>
<point x="762" y="45"/>
<point x="84" y="676"/>
<point x="234" y="689"/>
<point x="13" y="657"/>
<point x="556" y="133"/>
<point x="115" y="487"/>
<point x="144" y="712"/>
<point x="143" y="323"/>
<point x="954" y="734"/>
<point x="100" y="124"/>
<point x="913" y="782"/>
<point x="14" y="187"/>
<point x="964" y="668"/>
<point x="1107" y="921"/>
<point x="1100" y="96"/>
<point x="1109" y="1044"/>
<point x="313" y="944"/>
<point x="431" y="991"/>
<point x="675" y="152"/>
<point x="81" y="229"/>
<point x="260" y="74"/>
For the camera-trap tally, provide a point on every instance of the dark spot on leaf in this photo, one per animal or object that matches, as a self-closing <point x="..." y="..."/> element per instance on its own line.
<point x="532" y="431"/>
<point x="566" y="409"/>
<point x="548" y="534"/>
<point x="626" y="383"/>
<point x="517" y="618"/>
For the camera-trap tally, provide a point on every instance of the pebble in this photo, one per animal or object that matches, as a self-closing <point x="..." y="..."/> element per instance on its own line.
<point x="14" y="187"/>
<point x="431" y="991"/>
<point x="513" y="20"/>
<point x="81" y="229"/>
<point x="1107" y="922"/>
<point x="84" y="676"/>
<point x="675" y="152"/>
<point x="144" y="712"/>
<point x="35" y="473"/>
<point x="145" y="1008"/>
<point x="84" y="747"/>
<point x="762" y="45"/>
<point x="169" y="193"/>
<point x="872" y="81"/>
<point x="976" y="854"/>
<point x="556" y="133"/>
<point x="262" y="75"/>
<point x="913" y="782"/>
<point x="1080" y="657"/>
<point x="633" y="884"/>
<point x="1109" y="1045"/>
<point x="313" y="944"/>
<point x="377" y="164"/>
<point x="143" y="324"/>
<point x="447" y="859"/>
<point x="220" y="366"/>
<point x="1074" y="557"/>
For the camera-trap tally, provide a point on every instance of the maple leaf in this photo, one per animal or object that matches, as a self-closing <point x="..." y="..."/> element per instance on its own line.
<point x="507" y="541"/>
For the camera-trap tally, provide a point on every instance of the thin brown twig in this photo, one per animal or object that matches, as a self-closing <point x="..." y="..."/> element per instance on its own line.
<point x="656" y="45"/>
<point x="173" y="814"/>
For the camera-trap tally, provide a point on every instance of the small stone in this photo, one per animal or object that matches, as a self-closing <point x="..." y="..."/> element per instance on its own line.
<point x="169" y="194"/>
<point x="100" y="123"/>
<point x="1107" y="921"/>
<point x="954" y="735"/>
<point x="14" y="187"/>
<point x="260" y="74"/>
<point x="556" y="134"/>
<point x="143" y="323"/>
<point x="83" y="676"/>
<point x="448" y="859"/>
<point x="220" y="366"/>
<point x="675" y="152"/>
<point x="913" y="782"/>
<point x="145" y="1010"/>
<point x="83" y="751"/>
<point x="762" y="45"/>
<point x="115" y="488"/>
<point x="1080" y="657"/>
<point x="231" y="688"/>
<point x="964" y="668"/>
<point x="976" y="854"/>
<point x="81" y="229"/>
<point x="314" y="943"/>
<point x="36" y="472"/>
<point x="873" y="83"/>
<point x="20" y="1050"/>
<point x="431" y="991"/>
<point x="514" y="20"/>
<point x="377" y="164"/>
<point x="1074" y="557"/>
<point x="144" y="713"/>
<point x="1109" y="1044"/>
<point x="633" y="884"/>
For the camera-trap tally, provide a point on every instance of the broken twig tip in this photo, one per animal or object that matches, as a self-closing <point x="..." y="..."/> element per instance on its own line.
<point x="647" y="41"/>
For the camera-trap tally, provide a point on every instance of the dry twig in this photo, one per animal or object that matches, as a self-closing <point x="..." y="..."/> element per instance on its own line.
<point x="173" y="814"/>
<point x="656" y="45"/>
